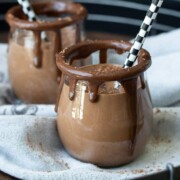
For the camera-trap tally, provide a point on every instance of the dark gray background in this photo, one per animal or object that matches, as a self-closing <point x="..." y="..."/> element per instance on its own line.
<point x="118" y="16"/>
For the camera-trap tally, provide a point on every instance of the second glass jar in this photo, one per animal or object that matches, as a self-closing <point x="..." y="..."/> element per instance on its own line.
<point x="33" y="45"/>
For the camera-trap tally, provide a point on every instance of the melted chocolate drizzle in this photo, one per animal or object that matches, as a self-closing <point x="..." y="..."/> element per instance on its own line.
<point x="103" y="56"/>
<point x="37" y="49"/>
<point x="57" y="47"/>
<point x="142" y="79"/>
<point x="78" y="32"/>
<point x="93" y="90"/>
<point x="12" y="29"/>
<point x="59" y="90"/>
<point x="130" y="87"/>
<point x="57" y="41"/>
<point x="72" y="88"/>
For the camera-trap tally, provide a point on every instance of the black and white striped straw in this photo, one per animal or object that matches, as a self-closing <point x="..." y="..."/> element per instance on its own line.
<point x="144" y="31"/>
<point x="28" y="10"/>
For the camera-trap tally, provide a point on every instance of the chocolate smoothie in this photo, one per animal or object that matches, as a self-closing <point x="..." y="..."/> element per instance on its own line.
<point x="32" y="84"/>
<point x="107" y="117"/>
<point x="100" y="132"/>
<point x="32" y="68"/>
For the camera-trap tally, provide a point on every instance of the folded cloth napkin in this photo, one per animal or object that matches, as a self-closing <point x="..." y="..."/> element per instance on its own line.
<point x="164" y="79"/>
<point x="30" y="149"/>
<point x="164" y="75"/>
<point x="35" y="110"/>
<point x="164" y="43"/>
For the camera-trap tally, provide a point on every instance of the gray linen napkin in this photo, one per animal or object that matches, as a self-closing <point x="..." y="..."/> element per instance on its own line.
<point x="30" y="149"/>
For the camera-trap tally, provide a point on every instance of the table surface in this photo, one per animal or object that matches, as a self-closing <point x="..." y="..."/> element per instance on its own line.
<point x="90" y="35"/>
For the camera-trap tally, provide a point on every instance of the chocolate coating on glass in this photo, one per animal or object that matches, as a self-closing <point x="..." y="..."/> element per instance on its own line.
<point x="99" y="73"/>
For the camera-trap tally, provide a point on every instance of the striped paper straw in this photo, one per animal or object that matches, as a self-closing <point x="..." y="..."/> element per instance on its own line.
<point x="28" y="10"/>
<point x="144" y="31"/>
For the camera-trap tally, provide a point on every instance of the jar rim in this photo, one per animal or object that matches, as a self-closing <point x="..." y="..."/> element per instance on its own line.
<point x="114" y="72"/>
<point x="78" y="12"/>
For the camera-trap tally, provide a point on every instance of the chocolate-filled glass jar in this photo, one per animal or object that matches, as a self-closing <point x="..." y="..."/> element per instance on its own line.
<point x="104" y="111"/>
<point x="32" y="68"/>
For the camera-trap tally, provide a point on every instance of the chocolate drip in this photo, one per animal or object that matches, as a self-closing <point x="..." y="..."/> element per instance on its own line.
<point x="93" y="91"/>
<point x="72" y="88"/>
<point x="142" y="81"/>
<point x="59" y="91"/>
<point x="130" y="86"/>
<point x="57" y="41"/>
<point x="12" y="29"/>
<point x="37" y="49"/>
<point x="57" y="44"/>
<point x="78" y="37"/>
<point x="78" y="32"/>
<point x="103" y="56"/>
<point x="92" y="86"/>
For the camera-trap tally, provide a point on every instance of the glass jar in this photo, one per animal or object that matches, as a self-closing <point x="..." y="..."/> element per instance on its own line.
<point x="33" y="45"/>
<point x="104" y="111"/>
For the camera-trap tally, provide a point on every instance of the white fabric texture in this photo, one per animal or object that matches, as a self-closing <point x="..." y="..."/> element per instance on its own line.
<point x="164" y="75"/>
<point x="30" y="149"/>
<point x="29" y="143"/>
